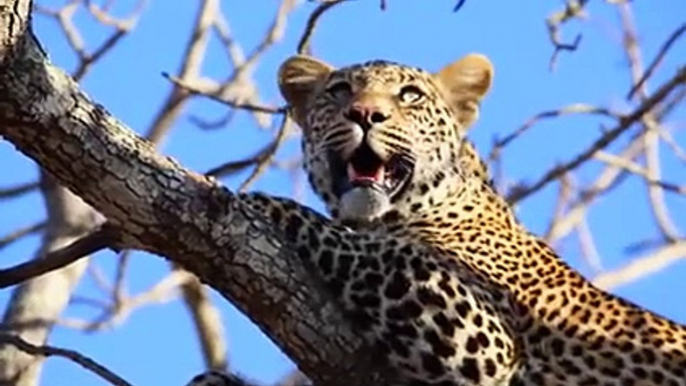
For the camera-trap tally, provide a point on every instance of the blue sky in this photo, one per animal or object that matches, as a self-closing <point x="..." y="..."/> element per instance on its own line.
<point x="157" y="345"/>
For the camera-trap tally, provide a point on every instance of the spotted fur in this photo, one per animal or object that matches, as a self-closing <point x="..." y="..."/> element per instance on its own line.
<point x="442" y="276"/>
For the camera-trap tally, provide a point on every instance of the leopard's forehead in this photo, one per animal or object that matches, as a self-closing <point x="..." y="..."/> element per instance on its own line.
<point x="381" y="71"/>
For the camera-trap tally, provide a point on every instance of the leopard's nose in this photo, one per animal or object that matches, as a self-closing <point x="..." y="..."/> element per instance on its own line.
<point x="366" y="115"/>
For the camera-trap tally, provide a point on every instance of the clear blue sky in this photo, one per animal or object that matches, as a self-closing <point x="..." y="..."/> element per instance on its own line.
<point x="157" y="345"/>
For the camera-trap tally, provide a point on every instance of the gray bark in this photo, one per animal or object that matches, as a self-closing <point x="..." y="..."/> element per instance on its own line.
<point x="163" y="208"/>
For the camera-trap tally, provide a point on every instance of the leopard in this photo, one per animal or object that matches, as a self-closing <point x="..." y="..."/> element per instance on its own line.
<point x="424" y="255"/>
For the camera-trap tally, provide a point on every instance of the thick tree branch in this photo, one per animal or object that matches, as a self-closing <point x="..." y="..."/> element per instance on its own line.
<point x="165" y="209"/>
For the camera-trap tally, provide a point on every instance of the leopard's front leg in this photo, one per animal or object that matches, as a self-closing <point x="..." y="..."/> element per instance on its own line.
<point x="436" y="323"/>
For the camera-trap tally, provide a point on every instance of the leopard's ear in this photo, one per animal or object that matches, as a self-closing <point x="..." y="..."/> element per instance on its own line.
<point x="299" y="76"/>
<point x="465" y="82"/>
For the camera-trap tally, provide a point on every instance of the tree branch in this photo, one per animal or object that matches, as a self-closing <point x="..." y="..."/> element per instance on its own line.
<point x="610" y="136"/>
<point x="73" y="356"/>
<point x="160" y="207"/>
<point x="104" y="237"/>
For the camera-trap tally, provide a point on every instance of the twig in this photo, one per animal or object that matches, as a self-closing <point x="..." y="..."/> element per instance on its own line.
<point x="264" y="155"/>
<point x="21" y="232"/>
<point x="18" y="190"/>
<point x="118" y="291"/>
<point x="573" y="9"/>
<point x="577" y="108"/>
<point x="304" y="43"/>
<point x="205" y="124"/>
<point x="115" y="313"/>
<point x="657" y="60"/>
<point x="588" y="246"/>
<point x="244" y="106"/>
<point x="642" y="266"/>
<point x="459" y="5"/>
<point x="101" y="238"/>
<point x="653" y="171"/>
<point x="275" y="33"/>
<point x="80" y="359"/>
<point x="608" y="179"/>
<point x="625" y="123"/>
<point x="262" y="164"/>
<point x="640" y="171"/>
<point x="563" y="198"/>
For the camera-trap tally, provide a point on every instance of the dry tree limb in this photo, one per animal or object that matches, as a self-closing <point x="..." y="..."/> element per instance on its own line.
<point x="68" y="218"/>
<point x="304" y="44"/>
<point x="679" y="79"/>
<point x="589" y="251"/>
<point x="165" y="209"/>
<point x="261" y="159"/>
<point x="101" y="238"/>
<point x="19" y="190"/>
<point x="115" y="313"/>
<point x="662" y="52"/>
<point x="21" y="232"/>
<point x="64" y="17"/>
<point x="564" y="196"/>
<point x="80" y="359"/>
<point x="642" y="266"/>
<point x="274" y="34"/>
<point x="607" y="179"/>
<point x="640" y="171"/>
<point x="658" y="206"/>
<point x="44" y="298"/>
<point x="193" y="56"/>
<point x="194" y="90"/>
<point x="121" y="28"/>
<point x="574" y="9"/>
<point x="207" y="322"/>
<point x="261" y="165"/>
<point x="653" y="173"/>
<point x="577" y="108"/>
<point x="243" y="65"/>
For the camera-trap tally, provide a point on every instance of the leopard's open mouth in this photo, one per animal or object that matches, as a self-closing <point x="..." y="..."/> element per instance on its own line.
<point x="366" y="169"/>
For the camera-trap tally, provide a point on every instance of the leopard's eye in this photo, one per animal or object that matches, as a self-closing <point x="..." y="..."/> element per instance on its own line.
<point x="340" y="91"/>
<point x="411" y="94"/>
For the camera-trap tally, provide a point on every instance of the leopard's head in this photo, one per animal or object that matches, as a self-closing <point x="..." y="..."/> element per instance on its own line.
<point x="381" y="136"/>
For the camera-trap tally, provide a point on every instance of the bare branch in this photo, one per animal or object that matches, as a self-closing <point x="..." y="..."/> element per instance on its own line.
<point x="207" y="322"/>
<point x="577" y="108"/>
<point x="217" y="98"/>
<point x="171" y="211"/>
<point x="262" y="164"/>
<point x="104" y="237"/>
<point x="642" y="266"/>
<point x="80" y="359"/>
<point x="574" y="9"/>
<point x="625" y="123"/>
<point x="657" y="60"/>
<point x="606" y="180"/>
<point x="18" y="190"/>
<point x="304" y="43"/>
<point x="21" y="232"/>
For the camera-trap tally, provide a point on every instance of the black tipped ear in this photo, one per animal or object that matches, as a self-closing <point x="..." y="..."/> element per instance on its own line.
<point x="299" y="76"/>
<point x="465" y="83"/>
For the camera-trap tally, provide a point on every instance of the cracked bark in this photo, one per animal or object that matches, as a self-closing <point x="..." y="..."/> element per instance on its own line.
<point x="165" y="209"/>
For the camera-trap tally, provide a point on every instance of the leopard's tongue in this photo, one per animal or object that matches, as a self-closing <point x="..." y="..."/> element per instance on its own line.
<point x="355" y="175"/>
